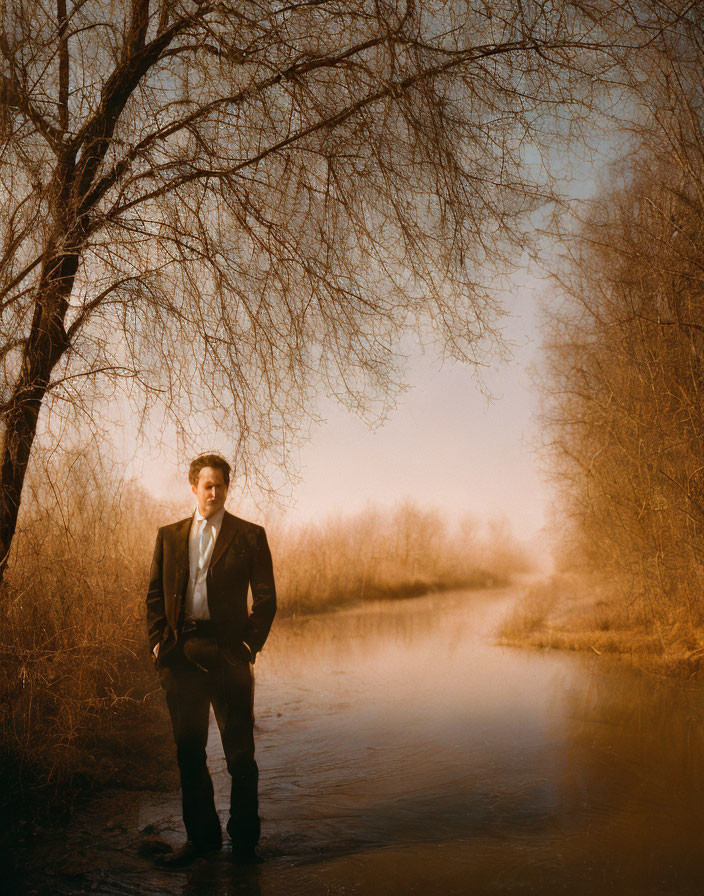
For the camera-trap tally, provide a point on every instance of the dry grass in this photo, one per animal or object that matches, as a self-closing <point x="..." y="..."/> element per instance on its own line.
<point x="380" y="554"/>
<point x="580" y="612"/>
<point x="75" y="679"/>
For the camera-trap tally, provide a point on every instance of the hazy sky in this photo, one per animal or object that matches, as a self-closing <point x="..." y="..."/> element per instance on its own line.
<point x="445" y="444"/>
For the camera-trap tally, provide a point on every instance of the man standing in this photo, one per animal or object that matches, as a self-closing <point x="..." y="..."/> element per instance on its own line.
<point x="204" y="642"/>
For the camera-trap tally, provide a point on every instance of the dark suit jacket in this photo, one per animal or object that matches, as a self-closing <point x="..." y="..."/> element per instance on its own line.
<point x="240" y="558"/>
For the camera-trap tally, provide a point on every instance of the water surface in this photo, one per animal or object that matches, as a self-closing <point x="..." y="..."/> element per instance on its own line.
<point x="402" y="751"/>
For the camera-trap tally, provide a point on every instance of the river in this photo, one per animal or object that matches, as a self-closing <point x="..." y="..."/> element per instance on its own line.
<point x="402" y="751"/>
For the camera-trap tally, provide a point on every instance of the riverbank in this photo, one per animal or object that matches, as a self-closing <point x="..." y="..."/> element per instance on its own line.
<point x="388" y="553"/>
<point x="46" y="779"/>
<point x="379" y="589"/>
<point x="580" y="613"/>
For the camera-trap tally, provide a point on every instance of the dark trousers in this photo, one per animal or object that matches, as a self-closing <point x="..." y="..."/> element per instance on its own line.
<point x="228" y="684"/>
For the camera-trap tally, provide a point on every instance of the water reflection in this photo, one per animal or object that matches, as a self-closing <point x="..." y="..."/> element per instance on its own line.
<point x="406" y="725"/>
<point x="633" y="781"/>
<point x="402" y="752"/>
<point x="221" y="878"/>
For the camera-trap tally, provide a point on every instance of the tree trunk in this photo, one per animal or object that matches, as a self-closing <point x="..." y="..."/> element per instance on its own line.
<point x="44" y="347"/>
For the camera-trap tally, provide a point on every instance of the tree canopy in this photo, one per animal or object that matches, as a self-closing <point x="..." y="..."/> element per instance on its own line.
<point x="220" y="206"/>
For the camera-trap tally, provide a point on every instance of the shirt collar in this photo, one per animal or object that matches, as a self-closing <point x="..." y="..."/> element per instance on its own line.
<point x="214" y="520"/>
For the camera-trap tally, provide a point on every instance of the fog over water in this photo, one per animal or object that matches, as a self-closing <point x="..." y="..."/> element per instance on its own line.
<point x="402" y="751"/>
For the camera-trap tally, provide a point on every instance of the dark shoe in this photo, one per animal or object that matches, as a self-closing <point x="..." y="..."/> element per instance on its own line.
<point x="186" y="855"/>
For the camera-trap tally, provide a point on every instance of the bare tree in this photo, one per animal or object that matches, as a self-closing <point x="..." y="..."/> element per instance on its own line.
<point x="221" y="204"/>
<point x="624" y="408"/>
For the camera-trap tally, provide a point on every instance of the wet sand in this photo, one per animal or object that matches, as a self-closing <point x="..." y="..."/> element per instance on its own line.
<point x="402" y="751"/>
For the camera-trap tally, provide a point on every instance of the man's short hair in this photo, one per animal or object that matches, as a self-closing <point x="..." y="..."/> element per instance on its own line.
<point x="208" y="460"/>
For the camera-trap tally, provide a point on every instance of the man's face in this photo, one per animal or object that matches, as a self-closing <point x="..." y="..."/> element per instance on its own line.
<point x="210" y="491"/>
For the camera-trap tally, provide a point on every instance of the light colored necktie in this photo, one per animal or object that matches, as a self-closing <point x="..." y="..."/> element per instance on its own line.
<point x="203" y="546"/>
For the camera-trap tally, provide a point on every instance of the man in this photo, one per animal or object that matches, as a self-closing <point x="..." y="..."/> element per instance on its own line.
<point x="204" y="642"/>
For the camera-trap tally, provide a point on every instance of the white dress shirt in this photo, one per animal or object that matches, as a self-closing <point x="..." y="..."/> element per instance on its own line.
<point x="201" y="542"/>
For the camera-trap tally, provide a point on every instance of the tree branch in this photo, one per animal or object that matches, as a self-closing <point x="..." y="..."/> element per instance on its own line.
<point x="12" y="96"/>
<point x="63" y="65"/>
<point x="393" y="89"/>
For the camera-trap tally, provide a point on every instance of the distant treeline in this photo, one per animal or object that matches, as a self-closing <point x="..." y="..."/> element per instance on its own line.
<point x="76" y="681"/>
<point x="624" y="411"/>
<point x="400" y="552"/>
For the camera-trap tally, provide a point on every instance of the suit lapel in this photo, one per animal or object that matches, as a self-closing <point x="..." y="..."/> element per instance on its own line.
<point x="228" y="530"/>
<point x="181" y="551"/>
